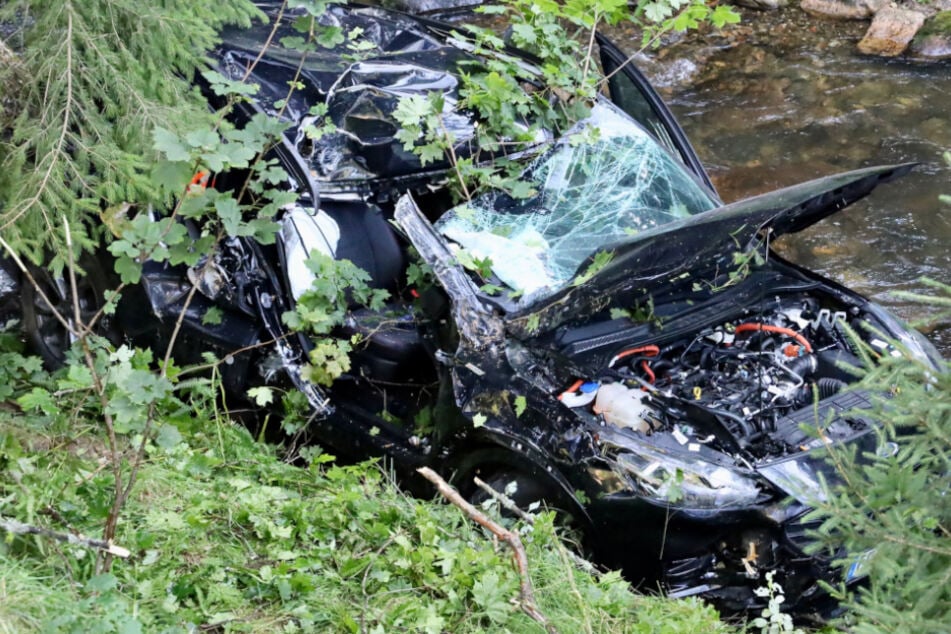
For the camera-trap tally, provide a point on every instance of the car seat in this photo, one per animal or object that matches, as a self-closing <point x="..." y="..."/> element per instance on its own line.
<point x="392" y="349"/>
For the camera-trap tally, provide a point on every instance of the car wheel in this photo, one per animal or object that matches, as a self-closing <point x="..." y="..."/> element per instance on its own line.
<point x="46" y="335"/>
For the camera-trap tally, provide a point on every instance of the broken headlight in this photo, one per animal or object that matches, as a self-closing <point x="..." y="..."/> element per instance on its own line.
<point x="695" y="483"/>
<point x="800" y="477"/>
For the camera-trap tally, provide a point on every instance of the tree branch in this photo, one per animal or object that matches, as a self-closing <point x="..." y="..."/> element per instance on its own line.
<point x="526" y="593"/>
<point x="506" y="502"/>
<point x="19" y="528"/>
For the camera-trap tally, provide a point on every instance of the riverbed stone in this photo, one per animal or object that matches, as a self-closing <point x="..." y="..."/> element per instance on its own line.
<point x="891" y="32"/>
<point x="839" y="9"/>
<point x="933" y="41"/>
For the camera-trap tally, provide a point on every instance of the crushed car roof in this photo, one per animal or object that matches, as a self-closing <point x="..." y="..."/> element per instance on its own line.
<point x="385" y="57"/>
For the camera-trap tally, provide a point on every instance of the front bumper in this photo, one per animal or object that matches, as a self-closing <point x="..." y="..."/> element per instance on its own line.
<point x="720" y="555"/>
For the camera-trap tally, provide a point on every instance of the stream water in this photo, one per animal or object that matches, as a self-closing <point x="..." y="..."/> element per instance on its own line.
<point x="784" y="98"/>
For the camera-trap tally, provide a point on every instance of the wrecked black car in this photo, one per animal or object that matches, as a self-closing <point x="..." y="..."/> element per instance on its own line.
<point x="636" y="355"/>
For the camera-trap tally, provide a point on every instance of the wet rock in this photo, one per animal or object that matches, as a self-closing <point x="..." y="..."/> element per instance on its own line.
<point x="891" y="32"/>
<point x="936" y="130"/>
<point x="678" y="72"/>
<point x="933" y="41"/>
<point x="841" y="9"/>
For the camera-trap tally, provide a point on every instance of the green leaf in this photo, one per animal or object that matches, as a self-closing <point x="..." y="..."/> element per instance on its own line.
<point x="170" y="145"/>
<point x="657" y="12"/>
<point x="491" y="596"/>
<point x="102" y="583"/>
<point x="205" y="138"/>
<point x="600" y="260"/>
<point x="223" y="86"/>
<point x="429" y="153"/>
<point x="724" y="14"/>
<point x="411" y="110"/>
<point x="261" y="395"/>
<point x="330" y="36"/>
<point x="524" y="33"/>
<point x="294" y="42"/>
<point x="129" y="625"/>
<point x="519" y="189"/>
<point x="168" y="437"/>
<point x="520" y="405"/>
<point x="78" y="377"/>
<point x="229" y="212"/>
<point x="40" y="399"/>
<point x="212" y="316"/>
<point x="130" y="271"/>
<point x="478" y="420"/>
<point x="172" y="176"/>
<point x="533" y="323"/>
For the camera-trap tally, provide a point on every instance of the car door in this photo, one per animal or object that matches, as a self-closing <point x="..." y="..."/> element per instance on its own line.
<point x="630" y="91"/>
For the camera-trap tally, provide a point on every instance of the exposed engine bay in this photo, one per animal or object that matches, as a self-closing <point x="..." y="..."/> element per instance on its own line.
<point x="742" y="387"/>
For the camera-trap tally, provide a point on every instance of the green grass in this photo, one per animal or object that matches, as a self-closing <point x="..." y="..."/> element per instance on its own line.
<point x="227" y="537"/>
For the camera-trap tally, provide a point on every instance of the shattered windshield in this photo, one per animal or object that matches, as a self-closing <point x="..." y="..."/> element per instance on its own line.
<point x="604" y="182"/>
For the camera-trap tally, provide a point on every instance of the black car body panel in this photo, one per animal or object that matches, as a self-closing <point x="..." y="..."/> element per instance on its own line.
<point x="663" y="400"/>
<point x="654" y="259"/>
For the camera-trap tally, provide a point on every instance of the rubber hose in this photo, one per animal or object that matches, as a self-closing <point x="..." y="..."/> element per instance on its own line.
<point x="828" y="363"/>
<point x="803" y="366"/>
<point x="827" y="386"/>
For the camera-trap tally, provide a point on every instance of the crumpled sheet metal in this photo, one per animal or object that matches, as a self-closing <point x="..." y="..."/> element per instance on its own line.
<point x="361" y="106"/>
<point x="478" y="327"/>
<point x="703" y="245"/>
<point x="361" y="96"/>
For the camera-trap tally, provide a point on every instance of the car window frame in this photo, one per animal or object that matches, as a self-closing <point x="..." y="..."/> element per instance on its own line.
<point x="613" y="60"/>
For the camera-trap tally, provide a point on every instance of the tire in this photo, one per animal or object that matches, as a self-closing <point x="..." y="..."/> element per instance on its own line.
<point x="45" y="334"/>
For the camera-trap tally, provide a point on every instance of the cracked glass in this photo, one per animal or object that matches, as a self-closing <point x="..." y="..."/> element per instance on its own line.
<point x="603" y="183"/>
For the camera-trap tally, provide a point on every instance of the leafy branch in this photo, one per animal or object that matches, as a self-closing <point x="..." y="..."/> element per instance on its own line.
<point x="517" y="106"/>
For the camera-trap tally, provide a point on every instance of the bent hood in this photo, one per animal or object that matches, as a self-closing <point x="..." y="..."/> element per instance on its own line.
<point x="658" y="257"/>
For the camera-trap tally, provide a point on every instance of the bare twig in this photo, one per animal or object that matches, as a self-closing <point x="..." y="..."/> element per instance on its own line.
<point x="506" y="502"/>
<point x="104" y="561"/>
<point x="267" y="42"/>
<point x="526" y="593"/>
<point x="39" y="290"/>
<point x="510" y="505"/>
<point x="19" y="528"/>
<point x="590" y="54"/>
<point x="656" y="36"/>
<point x="453" y="160"/>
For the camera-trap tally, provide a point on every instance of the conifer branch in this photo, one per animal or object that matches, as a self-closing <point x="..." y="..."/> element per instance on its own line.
<point x="92" y="80"/>
<point x="51" y="158"/>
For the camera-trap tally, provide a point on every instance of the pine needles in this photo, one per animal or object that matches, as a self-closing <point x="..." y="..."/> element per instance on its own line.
<point x="92" y="79"/>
